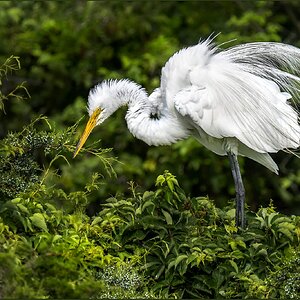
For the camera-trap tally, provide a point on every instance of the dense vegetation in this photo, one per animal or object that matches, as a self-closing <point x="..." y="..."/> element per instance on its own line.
<point x="105" y="227"/>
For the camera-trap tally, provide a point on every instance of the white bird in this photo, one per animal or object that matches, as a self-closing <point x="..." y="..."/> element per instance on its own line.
<point x="234" y="102"/>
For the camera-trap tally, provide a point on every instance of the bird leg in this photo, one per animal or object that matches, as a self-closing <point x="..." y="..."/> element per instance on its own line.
<point x="239" y="189"/>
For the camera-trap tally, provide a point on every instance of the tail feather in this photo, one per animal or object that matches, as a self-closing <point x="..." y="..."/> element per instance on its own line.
<point x="262" y="158"/>
<point x="274" y="61"/>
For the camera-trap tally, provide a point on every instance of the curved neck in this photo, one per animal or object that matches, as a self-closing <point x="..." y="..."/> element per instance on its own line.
<point x="164" y="130"/>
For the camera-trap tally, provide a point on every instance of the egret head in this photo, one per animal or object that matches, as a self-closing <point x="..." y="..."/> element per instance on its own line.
<point x="104" y="99"/>
<point x="100" y="107"/>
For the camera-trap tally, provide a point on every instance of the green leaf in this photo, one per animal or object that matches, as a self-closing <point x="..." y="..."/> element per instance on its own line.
<point x="16" y="200"/>
<point x="23" y="208"/>
<point x="167" y="217"/>
<point x="179" y="259"/>
<point x="218" y="278"/>
<point x="148" y="265"/>
<point x="170" y="185"/>
<point x="147" y="204"/>
<point x="238" y="254"/>
<point x="199" y="285"/>
<point x="191" y="258"/>
<point x="286" y="232"/>
<point x="38" y="220"/>
<point x="159" y="272"/>
<point x="262" y="252"/>
<point x="171" y="264"/>
<point x="270" y="218"/>
<point x="160" y="180"/>
<point x="56" y="237"/>
<point x="96" y="220"/>
<point x="234" y="265"/>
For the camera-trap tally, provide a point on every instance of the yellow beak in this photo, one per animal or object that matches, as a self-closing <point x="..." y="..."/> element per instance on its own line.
<point x="88" y="129"/>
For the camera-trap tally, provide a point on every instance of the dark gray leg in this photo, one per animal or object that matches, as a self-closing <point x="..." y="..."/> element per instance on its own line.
<point x="240" y="190"/>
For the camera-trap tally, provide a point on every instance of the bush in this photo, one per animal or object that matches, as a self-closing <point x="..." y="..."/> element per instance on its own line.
<point x="49" y="247"/>
<point x="192" y="249"/>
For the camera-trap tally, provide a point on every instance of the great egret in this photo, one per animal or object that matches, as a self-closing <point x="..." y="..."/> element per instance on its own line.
<point x="235" y="102"/>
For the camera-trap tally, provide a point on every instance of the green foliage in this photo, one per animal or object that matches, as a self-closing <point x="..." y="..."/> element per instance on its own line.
<point x="257" y="22"/>
<point x="49" y="247"/>
<point x="69" y="231"/>
<point x="192" y="249"/>
<point x="284" y="281"/>
<point x="68" y="47"/>
<point x="122" y="282"/>
<point x="19" y="168"/>
<point x="157" y="243"/>
<point x="62" y="249"/>
<point x="19" y="92"/>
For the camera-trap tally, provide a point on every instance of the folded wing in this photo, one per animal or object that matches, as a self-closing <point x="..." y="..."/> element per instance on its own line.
<point x="231" y="97"/>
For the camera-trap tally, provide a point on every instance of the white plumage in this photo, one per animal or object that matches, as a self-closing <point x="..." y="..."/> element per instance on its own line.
<point x="236" y="101"/>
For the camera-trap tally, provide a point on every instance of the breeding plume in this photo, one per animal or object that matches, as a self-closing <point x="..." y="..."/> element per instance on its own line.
<point x="237" y="101"/>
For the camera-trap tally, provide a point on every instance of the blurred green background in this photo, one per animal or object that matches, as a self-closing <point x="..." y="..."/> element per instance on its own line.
<point x="66" y="47"/>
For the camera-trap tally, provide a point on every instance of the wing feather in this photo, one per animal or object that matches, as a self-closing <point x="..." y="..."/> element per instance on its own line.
<point x="242" y="93"/>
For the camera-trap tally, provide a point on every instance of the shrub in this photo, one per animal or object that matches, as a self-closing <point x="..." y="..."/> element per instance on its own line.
<point x="192" y="249"/>
<point x="49" y="247"/>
